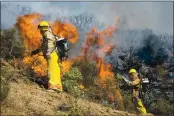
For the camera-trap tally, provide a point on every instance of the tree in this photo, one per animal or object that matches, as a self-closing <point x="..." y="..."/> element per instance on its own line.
<point x="11" y="43"/>
<point x="152" y="52"/>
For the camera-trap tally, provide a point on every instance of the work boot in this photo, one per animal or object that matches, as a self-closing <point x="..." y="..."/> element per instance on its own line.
<point x="51" y="90"/>
<point x="57" y="90"/>
<point x="54" y="89"/>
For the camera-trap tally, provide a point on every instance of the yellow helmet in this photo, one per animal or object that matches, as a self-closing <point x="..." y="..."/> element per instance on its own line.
<point x="132" y="71"/>
<point x="44" y="25"/>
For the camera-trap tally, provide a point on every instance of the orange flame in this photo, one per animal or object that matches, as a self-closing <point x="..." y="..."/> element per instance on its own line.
<point x="103" y="48"/>
<point x="66" y="65"/>
<point x="96" y="46"/>
<point x="65" y="30"/>
<point x="27" y="26"/>
<point x="104" y="69"/>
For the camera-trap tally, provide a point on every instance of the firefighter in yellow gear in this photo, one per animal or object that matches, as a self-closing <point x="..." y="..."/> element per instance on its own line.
<point x="48" y="48"/>
<point x="136" y="84"/>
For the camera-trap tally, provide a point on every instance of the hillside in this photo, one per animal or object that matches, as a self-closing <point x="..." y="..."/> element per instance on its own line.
<point x="28" y="98"/>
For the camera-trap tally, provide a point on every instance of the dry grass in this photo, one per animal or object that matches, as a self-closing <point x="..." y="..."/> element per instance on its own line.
<point x="24" y="99"/>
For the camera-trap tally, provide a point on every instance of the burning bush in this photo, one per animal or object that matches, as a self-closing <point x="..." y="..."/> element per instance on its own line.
<point x="27" y="26"/>
<point x="106" y="92"/>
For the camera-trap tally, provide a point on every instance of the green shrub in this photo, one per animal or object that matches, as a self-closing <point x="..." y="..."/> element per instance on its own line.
<point x="74" y="109"/>
<point x="71" y="81"/>
<point x="4" y="89"/>
<point x="7" y="73"/>
<point x="12" y="43"/>
<point x="161" y="107"/>
<point x="88" y="70"/>
<point x="161" y="71"/>
<point x="73" y="74"/>
<point x="127" y="101"/>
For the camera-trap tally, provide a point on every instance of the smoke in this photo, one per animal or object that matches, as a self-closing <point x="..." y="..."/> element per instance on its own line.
<point x="10" y="12"/>
<point x="157" y="16"/>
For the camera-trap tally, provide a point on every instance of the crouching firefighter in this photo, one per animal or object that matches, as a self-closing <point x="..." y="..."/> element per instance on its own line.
<point x="48" y="47"/>
<point x="135" y="83"/>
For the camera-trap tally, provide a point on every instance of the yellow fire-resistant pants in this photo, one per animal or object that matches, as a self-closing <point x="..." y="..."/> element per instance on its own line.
<point x="140" y="107"/>
<point x="54" y="72"/>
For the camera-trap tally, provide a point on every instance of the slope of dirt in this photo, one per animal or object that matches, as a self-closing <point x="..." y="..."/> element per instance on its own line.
<point x="28" y="98"/>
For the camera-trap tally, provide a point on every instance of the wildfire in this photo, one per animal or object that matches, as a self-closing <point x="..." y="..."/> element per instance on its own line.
<point x="96" y="46"/>
<point x="27" y="26"/>
<point x="99" y="41"/>
<point x="66" y="65"/>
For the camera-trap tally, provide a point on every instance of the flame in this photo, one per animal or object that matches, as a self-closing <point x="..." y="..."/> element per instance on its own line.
<point x="104" y="69"/>
<point x="100" y="41"/>
<point x="27" y="26"/>
<point x="65" y="30"/>
<point x="66" y="65"/>
<point x="97" y="45"/>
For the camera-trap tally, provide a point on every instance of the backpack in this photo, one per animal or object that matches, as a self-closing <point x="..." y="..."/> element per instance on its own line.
<point x="144" y="84"/>
<point x="62" y="47"/>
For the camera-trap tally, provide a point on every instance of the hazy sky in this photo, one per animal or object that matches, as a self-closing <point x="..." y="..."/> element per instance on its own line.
<point x="157" y="16"/>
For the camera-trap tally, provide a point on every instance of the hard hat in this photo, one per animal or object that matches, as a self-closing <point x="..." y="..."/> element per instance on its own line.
<point x="132" y="71"/>
<point x="44" y="25"/>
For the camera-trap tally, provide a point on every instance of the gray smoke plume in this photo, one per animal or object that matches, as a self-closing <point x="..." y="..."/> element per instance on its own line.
<point x="157" y="16"/>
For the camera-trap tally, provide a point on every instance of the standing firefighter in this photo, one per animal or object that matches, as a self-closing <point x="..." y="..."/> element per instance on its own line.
<point x="48" y="47"/>
<point x="136" y="85"/>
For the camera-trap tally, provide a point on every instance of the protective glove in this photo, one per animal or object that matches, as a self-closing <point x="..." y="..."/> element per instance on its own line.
<point x="127" y="81"/>
<point x="48" y="56"/>
<point x="34" y="52"/>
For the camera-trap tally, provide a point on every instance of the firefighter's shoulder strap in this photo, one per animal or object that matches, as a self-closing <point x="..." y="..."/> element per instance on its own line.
<point x="141" y="95"/>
